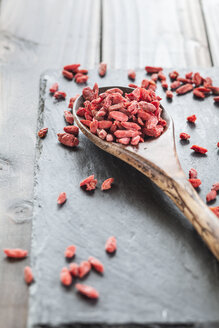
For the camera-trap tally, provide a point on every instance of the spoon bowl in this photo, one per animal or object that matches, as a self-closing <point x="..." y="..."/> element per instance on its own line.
<point x="157" y="159"/>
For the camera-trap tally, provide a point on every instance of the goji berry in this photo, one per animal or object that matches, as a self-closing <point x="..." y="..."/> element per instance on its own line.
<point x="72" y="68"/>
<point x="189" y="75"/>
<point x="198" y="94"/>
<point x="62" y="198"/>
<point x="218" y="144"/>
<point x="184" y="89"/>
<point x="199" y="149"/>
<point x="28" y="275"/>
<point x="72" y="100"/>
<point x="203" y="89"/>
<point x="101" y="134"/>
<point x="131" y="74"/>
<point x="161" y="76"/>
<point x="96" y="264"/>
<point x="102" y="69"/>
<point x="72" y="129"/>
<point x="67" y="74"/>
<point x="207" y="82"/>
<point x="84" y="269"/>
<point x="193" y="173"/>
<point x="195" y="182"/>
<point x="169" y="94"/>
<point x="119" y="116"/>
<point x="82" y="79"/>
<point x="65" y="277"/>
<point x="70" y="251"/>
<point x="131" y="85"/>
<point x="60" y="95"/>
<point x="173" y="75"/>
<point x="110" y="245"/>
<point x="215" y="186"/>
<point x="82" y="71"/>
<point x="74" y="269"/>
<point x="15" y="253"/>
<point x="131" y="126"/>
<point x="104" y="124"/>
<point x="135" y="140"/>
<point x="68" y="117"/>
<point x="183" y="80"/>
<point x="153" y="69"/>
<point x="42" y="133"/>
<point x="211" y="196"/>
<point x="54" y="88"/>
<point x="123" y="141"/>
<point x="164" y="84"/>
<point x="68" y="139"/>
<point x="154" y="77"/>
<point x="216" y="99"/>
<point x="215" y="210"/>
<point x="197" y="79"/>
<point x="107" y="184"/>
<point x="109" y="137"/>
<point x="192" y="118"/>
<point x="90" y="183"/>
<point x="88" y="291"/>
<point x="184" y="136"/>
<point x="215" y="90"/>
<point x="174" y="85"/>
<point x="86" y="122"/>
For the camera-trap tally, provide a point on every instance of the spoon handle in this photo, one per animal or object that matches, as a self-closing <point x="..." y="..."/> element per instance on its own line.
<point x="196" y="211"/>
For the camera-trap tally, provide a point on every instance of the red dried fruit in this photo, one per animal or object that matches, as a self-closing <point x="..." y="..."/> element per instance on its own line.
<point x="199" y="149"/>
<point x="184" y="80"/>
<point x="82" y="71"/>
<point x="96" y="264"/>
<point x="215" y="186"/>
<point x="80" y="111"/>
<point x="193" y="173"/>
<point x="126" y="133"/>
<point x="189" y="75"/>
<point x="65" y="277"/>
<point x="131" y="126"/>
<point x="68" y="139"/>
<point x="207" y="82"/>
<point x="215" y="90"/>
<point x="131" y="85"/>
<point x="218" y="144"/>
<point x="72" y="100"/>
<point x="70" y="251"/>
<point x="203" y="89"/>
<point x="197" y="79"/>
<point x="215" y="210"/>
<point x="54" y="87"/>
<point x="184" y="89"/>
<point x="89" y="183"/>
<point x="72" y="129"/>
<point x="102" y="69"/>
<point x="68" y="117"/>
<point x="153" y="69"/>
<point x="198" y="93"/>
<point x="173" y="75"/>
<point x="84" y="269"/>
<point x="174" y="85"/>
<point x="119" y="116"/>
<point x="72" y="68"/>
<point x="74" y="269"/>
<point x="169" y="94"/>
<point x="135" y="140"/>
<point x="184" y="136"/>
<point x="110" y="245"/>
<point x="164" y="85"/>
<point x="131" y="74"/>
<point x="195" y="182"/>
<point x="123" y="141"/>
<point x="28" y="275"/>
<point x="88" y="291"/>
<point x="192" y="118"/>
<point x="101" y="134"/>
<point x="211" y="196"/>
<point x="62" y="198"/>
<point x="60" y="95"/>
<point x="81" y="79"/>
<point x="104" y="124"/>
<point x="154" y="77"/>
<point x="107" y="184"/>
<point x="42" y="133"/>
<point x="67" y="74"/>
<point x="15" y="253"/>
<point x="161" y="76"/>
<point x="216" y="99"/>
<point x="86" y="122"/>
<point x="109" y="137"/>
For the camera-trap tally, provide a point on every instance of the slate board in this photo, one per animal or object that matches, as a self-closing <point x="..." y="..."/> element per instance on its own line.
<point x="162" y="272"/>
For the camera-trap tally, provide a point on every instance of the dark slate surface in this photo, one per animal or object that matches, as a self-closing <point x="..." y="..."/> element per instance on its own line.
<point x="162" y="272"/>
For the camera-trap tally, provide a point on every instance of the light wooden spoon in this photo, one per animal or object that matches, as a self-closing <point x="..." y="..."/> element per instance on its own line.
<point x="157" y="159"/>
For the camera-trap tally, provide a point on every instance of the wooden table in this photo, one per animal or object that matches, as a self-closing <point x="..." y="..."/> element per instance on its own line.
<point x="42" y="34"/>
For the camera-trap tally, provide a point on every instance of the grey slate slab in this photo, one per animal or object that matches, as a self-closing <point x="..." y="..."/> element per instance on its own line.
<point x="162" y="273"/>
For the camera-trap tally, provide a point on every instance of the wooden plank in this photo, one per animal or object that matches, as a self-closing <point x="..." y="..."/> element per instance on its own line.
<point x="210" y="13"/>
<point x="168" y="33"/>
<point x="34" y="35"/>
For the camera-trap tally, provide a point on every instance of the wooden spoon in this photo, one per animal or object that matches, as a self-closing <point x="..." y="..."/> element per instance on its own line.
<point x="157" y="159"/>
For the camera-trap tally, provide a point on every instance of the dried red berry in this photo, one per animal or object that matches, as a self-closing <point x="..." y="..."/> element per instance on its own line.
<point x="215" y="90"/>
<point x="192" y="118"/>
<point x="195" y="182"/>
<point x="72" y="68"/>
<point x="215" y="210"/>
<point x="110" y="246"/>
<point x="72" y="129"/>
<point x="102" y="69"/>
<point x="72" y="100"/>
<point x="74" y="269"/>
<point x="164" y="84"/>
<point x="184" y="89"/>
<point x="89" y="183"/>
<point x="215" y="186"/>
<point x="68" y="75"/>
<point x="174" y="85"/>
<point x="119" y="116"/>
<point x="81" y="79"/>
<point x="161" y="76"/>
<point x="153" y="69"/>
<point x="131" y="74"/>
<point x="54" y="88"/>
<point x="28" y="275"/>
<point x="70" y="251"/>
<point x="198" y="93"/>
<point x="184" y="136"/>
<point x="173" y="75"/>
<point x="189" y="75"/>
<point x="62" y="198"/>
<point x="197" y="79"/>
<point x="199" y="149"/>
<point x="96" y="264"/>
<point x="193" y="173"/>
<point x="68" y="139"/>
<point x="60" y="95"/>
<point x="88" y="291"/>
<point x="169" y="94"/>
<point x="15" y="253"/>
<point x="131" y="85"/>
<point x="68" y="117"/>
<point x="107" y="184"/>
<point x="42" y="133"/>
<point x="216" y="99"/>
<point x="65" y="277"/>
<point x="84" y="269"/>
<point x="211" y="196"/>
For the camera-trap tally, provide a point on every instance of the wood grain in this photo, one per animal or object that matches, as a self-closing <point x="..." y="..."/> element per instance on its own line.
<point x="210" y="13"/>
<point x="141" y="32"/>
<point x="34" y="35"/>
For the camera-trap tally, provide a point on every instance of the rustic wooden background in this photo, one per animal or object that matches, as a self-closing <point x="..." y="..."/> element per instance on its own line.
<point x="42" y="34"/>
